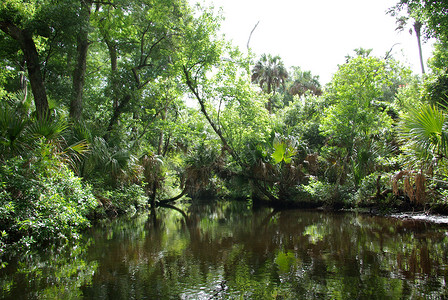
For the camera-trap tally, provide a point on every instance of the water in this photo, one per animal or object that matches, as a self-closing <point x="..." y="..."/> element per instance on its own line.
<point x="226" y="250"/>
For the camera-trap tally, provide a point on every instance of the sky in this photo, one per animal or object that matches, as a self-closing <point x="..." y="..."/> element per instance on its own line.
<point x="316" y="35"/>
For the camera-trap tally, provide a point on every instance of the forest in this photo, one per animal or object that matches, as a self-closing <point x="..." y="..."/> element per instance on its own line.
<point x="112" y="107"/>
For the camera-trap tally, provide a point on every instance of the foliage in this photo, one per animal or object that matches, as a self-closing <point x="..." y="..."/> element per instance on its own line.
<point x="147" y="102"/>
<point x="42" y="200"/>
<point x="424" y="130"/>
<point x="432" y="13"/>
<point x="269" y="73"/>
<point x="372" y="188"/>
<point x="358" y="120"/>
<point x="126" y="199"/>
<point x="302" y="119"/>
<point x="435" y="89"/>
<point x="304" y="81"/>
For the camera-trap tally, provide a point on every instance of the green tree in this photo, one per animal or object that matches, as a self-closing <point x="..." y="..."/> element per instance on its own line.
<point x="269" y="73"/>
<point x="431" y="13"/>
<point x="358" y="116"/>
<point x="80" y="68"/>
<point x="141" y="40"/>
<point x="301" y="82"/>
<point x="21" y="22"/>
<point x="417" y="29"/>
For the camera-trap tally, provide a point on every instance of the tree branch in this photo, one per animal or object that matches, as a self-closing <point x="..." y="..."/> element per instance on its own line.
<point x="163" y="202"/>
<point x="250" y="35"/>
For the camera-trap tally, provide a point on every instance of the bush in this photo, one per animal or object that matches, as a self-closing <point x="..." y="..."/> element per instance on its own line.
<point x="126" y="199"/>
<point x="41" y="200"/>
<point x="367" y="192"/>
<point x="318" y="191"/>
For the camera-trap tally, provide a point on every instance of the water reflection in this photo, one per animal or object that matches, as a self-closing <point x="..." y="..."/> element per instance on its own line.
<point x="228" y="251"/>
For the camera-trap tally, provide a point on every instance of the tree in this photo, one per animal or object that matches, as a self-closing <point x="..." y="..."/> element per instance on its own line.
<point x="79" y="72"/>
<point x="304" y="81"/>
<point x="358" y="116"/>
<point x="49" y="34"/>
<point x="417" y="28"/>
<point x="430" y="13"/>
<point x="269" y="73"/>
<point x="19" y="23"/>
<point x="141" y="39"/>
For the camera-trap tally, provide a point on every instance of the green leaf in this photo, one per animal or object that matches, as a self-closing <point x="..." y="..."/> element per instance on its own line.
<point x="280" y="149"/>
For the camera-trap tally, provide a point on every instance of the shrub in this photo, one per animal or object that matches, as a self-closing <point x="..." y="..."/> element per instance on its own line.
<point x="41" y="200"/>
<point x="126" y="199"/>
<point x="367" y="193"/>
<point x="318" y="191"/>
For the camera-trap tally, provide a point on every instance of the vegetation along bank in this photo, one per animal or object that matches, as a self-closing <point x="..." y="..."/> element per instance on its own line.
<point x="111" y="107"/>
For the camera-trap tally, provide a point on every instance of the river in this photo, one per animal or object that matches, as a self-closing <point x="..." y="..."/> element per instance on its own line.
<point x="228" y="250"/>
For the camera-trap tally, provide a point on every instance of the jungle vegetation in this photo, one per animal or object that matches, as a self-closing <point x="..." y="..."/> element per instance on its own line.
<point x="108" y="107"/>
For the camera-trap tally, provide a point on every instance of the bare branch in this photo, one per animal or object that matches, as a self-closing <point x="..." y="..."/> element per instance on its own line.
<point x="250" y="35"/>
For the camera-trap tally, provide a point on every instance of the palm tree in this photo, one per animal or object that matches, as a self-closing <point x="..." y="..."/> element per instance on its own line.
<point x="304" y="81"/>
<point x="269" y="72"/>
<point x="424" y="135"/>
<point x="417" y="28"/>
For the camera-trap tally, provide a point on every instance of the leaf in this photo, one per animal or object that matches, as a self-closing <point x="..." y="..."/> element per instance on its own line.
<point x="291" y="151"/>
<point x="280" y="149"/>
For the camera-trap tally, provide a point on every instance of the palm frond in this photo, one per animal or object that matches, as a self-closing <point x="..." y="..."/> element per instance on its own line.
<point x="12" y="127"/>
<point x="425" y="127"/>
<point x="48" y="128"/>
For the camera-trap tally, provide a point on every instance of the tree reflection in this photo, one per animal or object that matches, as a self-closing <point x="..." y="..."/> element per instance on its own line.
<point x="55" y="273"/>
<point x="226" y="250"/>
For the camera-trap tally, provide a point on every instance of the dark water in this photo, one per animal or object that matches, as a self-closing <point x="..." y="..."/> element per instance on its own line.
<point x="228" y="251"/>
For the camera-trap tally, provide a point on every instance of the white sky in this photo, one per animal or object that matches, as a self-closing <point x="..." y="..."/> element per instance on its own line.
<point x="317" y="34"/>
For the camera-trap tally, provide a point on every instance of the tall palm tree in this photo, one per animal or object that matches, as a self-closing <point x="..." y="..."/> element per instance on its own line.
<point x="417" y="28"/>
<point x="269" y="72"/>
<point x="304" y="81"/>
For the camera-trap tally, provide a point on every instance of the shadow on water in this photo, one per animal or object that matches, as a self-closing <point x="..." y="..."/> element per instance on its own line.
<point x="227" y="250"/>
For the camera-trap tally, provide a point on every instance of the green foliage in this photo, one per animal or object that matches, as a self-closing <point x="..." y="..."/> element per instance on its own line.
<point x="42" y="201"/>
<point x="269" y="73"/>
<point x="122" y="200"/>
<point x="169" y="106"/>
<point x="435" y="89"/>
<point x="302" y="118"/>
<point x="358" y="122"/>
<point x="299" y="84"/>
<point x="439" y="60"/>
<point x="283" y="152"/>
<point x="371" y="187"/>
<point x="354" y="92"/>
<point x="118" y="165"/>
<point x="432" y="13"/>
<point x="318" y="191"/>
<point x="424" y="131"/>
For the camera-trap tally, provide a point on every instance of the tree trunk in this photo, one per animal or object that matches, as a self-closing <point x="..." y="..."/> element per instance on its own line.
<point x="79" y="72"/>
<point x="113" y="66"/>
<point x="23" y="83"/>
<point x="117" y="112"/>
<point x="162" y="133"/>
<point x="118" y="106"/>
<point x="26" y="42"/>
<point x="417" y="29"/>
